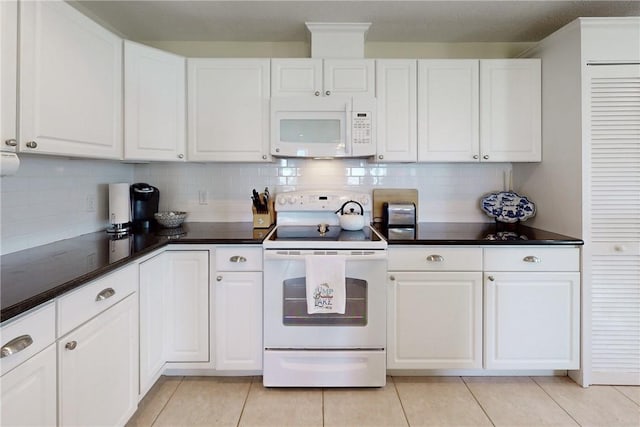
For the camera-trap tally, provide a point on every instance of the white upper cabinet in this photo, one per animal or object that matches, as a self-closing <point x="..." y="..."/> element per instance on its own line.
<point x="228" y="110"/>
<point x="510" y="110"/>
<point x="318" y="77"/>
<point x="8" y="74"/>
<point x="70" y="83"/>
<point x="154" y="104"/>
<point x="448" y="92"/>
<point x="487" y="110"/>
<point x="397" y="110"/>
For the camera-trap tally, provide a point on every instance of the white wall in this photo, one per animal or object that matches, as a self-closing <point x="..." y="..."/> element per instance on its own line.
<point x="46" y="200"/>
<point x="211" y="49"/>
<point x="448" y="192"/>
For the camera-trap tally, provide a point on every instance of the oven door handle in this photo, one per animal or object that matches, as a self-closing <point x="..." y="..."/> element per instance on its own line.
<point x="363" y="255"/>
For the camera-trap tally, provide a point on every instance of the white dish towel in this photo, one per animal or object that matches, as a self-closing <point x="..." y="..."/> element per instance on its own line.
<point x="326" y="285"/>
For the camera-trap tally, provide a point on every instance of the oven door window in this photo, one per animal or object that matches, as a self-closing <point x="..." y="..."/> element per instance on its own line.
<point x="294" y="308"/>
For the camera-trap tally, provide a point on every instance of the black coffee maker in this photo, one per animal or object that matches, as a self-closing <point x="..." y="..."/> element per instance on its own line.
<point x="144" y="203"/>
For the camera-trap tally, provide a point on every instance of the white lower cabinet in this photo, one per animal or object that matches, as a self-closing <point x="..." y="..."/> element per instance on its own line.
<point x="238" y="308"/>
<point x="434" y="320"/>
<point x="152" y="320"/>
<point x="434" y="316"/>
<point x="187" y="306"/>
<point x="29" y="392"/>
<point x="238" y="319"/>
<point x="532" y="307"/>
<point x="174" y="313"/>
<point x="532" y="320"/>
<point x="98" y="368"/>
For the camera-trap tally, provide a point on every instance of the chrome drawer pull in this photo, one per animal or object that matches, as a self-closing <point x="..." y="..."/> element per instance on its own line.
<point x="237" y="258"/>
<point x="107" y="293"/>
<point x="71" y="345"/>
<point x="531" y="258"/>
<point x="16" y="345"/>
<point x="435" y="258"/>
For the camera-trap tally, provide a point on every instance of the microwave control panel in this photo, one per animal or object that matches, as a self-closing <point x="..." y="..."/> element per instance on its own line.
<point x="361" y="127"/>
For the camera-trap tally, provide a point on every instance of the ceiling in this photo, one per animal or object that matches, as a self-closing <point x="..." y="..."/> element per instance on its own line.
<point x="392" y="20"/>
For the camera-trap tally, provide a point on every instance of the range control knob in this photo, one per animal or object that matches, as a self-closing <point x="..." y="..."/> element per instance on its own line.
<point x="364" y="200"/>
<point x="282" y="200"/>
<point x="291" y="200"/>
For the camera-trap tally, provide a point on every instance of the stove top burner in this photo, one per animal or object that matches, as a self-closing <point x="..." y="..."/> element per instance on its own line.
<point x="313" y="233"/>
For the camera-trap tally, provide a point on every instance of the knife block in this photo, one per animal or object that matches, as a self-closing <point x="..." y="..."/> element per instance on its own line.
<point x="264" y="220"/>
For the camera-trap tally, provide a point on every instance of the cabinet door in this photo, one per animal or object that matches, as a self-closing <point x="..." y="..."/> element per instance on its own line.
<point x="153" y="289"/>
<point x="154" y="104"/>
<point x="187" y="316"/>
<point x="98" y="368"/>
<point x="448" y="114"/>
<point x="353" y="77"/>
<point x="510" y="110"/>
<point x="238" y="312"/>
<point x="228" y="111"/>
<point x="8" y="74"/>
<point x="70" y="83"/>
<point x="396" y="87"/>
<point x="295" y="77"/>
<point x="29" y="392"/>
<point x="532" y="320"/>
<point x="434" y="320"/>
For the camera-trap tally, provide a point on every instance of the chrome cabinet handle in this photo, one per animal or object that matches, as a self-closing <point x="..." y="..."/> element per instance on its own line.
<point x="31" y="144"/>
<point x="328" y="93"/>
<point x="11" y="142"/>
<point x="219" y="279"/>
<point x="317" y="93"/>
<point x="381" y="157"/>
<point x="435" y="258"/>
<point x="16" y="345"/>
<point x="392" y="278"/>
<point x="104" y="294"/>
<point x="264" y="157"/>
<point x="491" y="278"/>
<point x="71" y="345"/>
<point x="486" y="157"/>
<point x="237" y="258"/>
<point x="475" y="156"/>
<point x="531" y="258"/>
<point x="181" y="156"/>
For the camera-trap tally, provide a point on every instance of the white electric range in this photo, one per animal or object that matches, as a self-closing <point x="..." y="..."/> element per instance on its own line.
<point x="323" y="349"/>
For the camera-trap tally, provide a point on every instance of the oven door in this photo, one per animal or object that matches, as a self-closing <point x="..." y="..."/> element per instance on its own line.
<point x="287" y="325"/>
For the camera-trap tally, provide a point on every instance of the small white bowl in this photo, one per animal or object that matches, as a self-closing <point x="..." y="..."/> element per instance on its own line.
<point x="170" y="219"/>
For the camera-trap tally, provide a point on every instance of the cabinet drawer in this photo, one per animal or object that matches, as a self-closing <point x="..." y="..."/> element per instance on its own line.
<point x="27" y="335"/>
<point x="531" y="258"/>
<point x="435" y="258"/>
<point x="81" y="305"/>
<point x="239" y="258"/>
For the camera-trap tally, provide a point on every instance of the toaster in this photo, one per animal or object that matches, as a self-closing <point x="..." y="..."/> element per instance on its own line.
<point x="399" y="214"/>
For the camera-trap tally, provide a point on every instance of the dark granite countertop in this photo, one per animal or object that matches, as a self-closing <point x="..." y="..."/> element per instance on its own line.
<point x="490" y="234"/>
<point x="34" y="276"/>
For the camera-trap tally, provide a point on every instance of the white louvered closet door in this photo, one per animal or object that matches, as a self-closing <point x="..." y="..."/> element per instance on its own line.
<point x="613" y="222"/>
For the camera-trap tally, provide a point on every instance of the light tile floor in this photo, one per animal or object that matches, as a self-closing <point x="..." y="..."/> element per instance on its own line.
<point x="405" y="401"/>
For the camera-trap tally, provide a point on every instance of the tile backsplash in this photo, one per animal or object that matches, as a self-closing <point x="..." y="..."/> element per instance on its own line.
<point x="221" y="192"/>
<point x="53" y="198"/>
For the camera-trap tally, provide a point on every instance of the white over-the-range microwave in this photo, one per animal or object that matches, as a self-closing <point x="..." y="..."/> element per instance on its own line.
<point x="326" y="127"/>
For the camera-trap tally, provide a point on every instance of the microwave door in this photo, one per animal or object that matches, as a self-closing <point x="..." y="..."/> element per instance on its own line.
<point x="311" y="134"/>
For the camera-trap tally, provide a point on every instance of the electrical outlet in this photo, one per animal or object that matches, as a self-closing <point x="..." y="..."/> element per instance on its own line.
<point x="90" y="204"/>
<point x="203" y="197"/>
